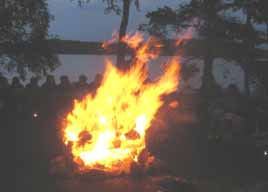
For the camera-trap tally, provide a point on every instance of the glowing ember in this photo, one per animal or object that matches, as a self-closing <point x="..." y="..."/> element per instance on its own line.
<point x="174" y="104"/>
<point x="107" y="131"/>
<point x="35" y="115"/>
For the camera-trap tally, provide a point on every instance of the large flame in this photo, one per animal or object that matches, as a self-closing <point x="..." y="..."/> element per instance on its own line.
<point x="106" y="131"/>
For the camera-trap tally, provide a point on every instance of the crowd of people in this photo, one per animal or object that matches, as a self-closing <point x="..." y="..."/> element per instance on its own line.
<point x="34" y="113"/>
<point x="15" y="97"/>
<point x="50" y="83"/>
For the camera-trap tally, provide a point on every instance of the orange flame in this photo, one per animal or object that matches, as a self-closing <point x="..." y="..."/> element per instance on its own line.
<point x="184" y="36"/>
<point x="106" y="131"/>
<point x="173" y="104"/>
<point x="114" y="39"/>
<point x="133" y="41"/>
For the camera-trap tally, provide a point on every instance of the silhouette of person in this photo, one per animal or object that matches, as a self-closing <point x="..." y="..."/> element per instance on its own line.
<point x="50" y="82"/>
<point x="82" y="87"/>
<point x="16" y="83"/>
<point x="232" y="99"/>
<point x="64" y="83"/>
<point x="32" y="101"/>
<point x="3" y="82"/>
<point x="82" y="82"/>
<point x="234" y="117"/>
<point x="98" y="79"/>
<point x="4" y="93"/>
<point x="33" y="83"/>
<point x="48" y="97"/>
<point x="16" y="103"/>
<point x="65" y="89"/>
<point x="96" y="83"/>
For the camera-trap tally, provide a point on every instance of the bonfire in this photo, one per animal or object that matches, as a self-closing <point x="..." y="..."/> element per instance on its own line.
<point x="106" y="130"/>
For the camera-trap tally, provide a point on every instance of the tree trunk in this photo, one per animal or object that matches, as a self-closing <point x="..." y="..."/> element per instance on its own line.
<point x="207" y="78"/>
<point x="249" y="44"/>
<point x="207" y="90"/>
<point x="267" y="30"/>
<point x="208" y="81"/>
<point x="209" y="87"/>
<point x="121" y="51"/>
<point x="201" y="135"/>
<point x="246" y="76"/>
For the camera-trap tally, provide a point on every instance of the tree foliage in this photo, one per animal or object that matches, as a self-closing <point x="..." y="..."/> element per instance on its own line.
<point x="214" y="19"/>
<point x="23" y="31"/>
<point x="111" y="5"/>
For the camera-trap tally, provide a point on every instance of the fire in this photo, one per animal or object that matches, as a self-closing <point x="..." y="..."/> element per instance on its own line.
<point x="106" y="131"/>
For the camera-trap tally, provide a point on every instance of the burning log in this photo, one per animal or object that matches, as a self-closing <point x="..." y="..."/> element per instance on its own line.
<point x="84" y="137"/>
<point x="132" y="135"/>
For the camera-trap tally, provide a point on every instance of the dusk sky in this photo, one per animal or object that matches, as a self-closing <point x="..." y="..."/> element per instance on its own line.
<point x="89" y="23"/>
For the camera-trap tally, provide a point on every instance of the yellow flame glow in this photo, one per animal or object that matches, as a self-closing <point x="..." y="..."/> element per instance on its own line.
<point x="107" y="131"/>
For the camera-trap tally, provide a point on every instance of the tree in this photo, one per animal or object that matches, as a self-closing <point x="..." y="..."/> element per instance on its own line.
<point x="205" y="17"/>
<point x="123" y="10"/>
<point x="214" y="19"/>
<point x="23" y="31"/>
<point x="256" y="12"/>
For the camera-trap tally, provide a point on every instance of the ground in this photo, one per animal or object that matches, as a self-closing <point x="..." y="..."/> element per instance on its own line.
<point x="218" y="168"/>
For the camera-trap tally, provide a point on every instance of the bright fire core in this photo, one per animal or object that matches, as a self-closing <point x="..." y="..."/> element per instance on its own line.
<point x="106" y="131"/>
